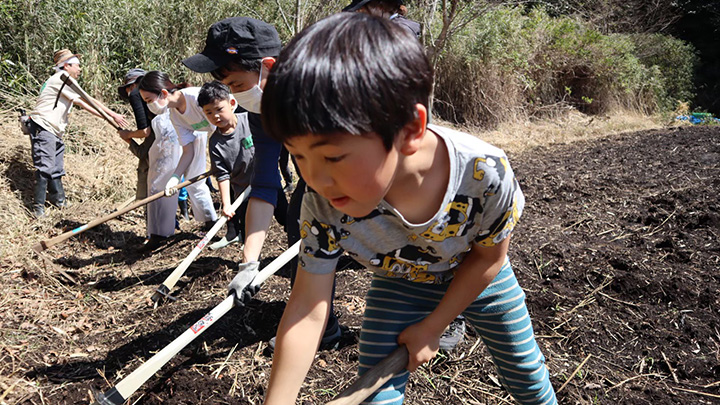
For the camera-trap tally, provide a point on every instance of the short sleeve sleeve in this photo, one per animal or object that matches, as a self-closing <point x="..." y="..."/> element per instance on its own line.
<point x="69" y="93"/>
<point x="320" y="249"/>
<point x="185" y="135"/>
<point x="502" y="199"/>
<point x="217" y="163"/>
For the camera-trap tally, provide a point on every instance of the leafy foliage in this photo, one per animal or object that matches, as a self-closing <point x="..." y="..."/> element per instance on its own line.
<point x="513" y="63"/>
<point x="493" y="62"/>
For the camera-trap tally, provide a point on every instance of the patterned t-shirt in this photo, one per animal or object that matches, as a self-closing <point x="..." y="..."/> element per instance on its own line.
<point x="482" y="204"/>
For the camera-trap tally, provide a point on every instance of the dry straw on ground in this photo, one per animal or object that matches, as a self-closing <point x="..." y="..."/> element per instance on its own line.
<point x="38" y="307"/>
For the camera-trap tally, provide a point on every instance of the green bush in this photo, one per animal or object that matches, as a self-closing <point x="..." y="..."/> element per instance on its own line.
<point x="114" y="36"/>
<point x="511" y="63"/>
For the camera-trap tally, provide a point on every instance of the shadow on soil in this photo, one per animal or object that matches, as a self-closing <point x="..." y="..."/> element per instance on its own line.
<point x="240" y="326"/>
<point x="124" y="245"/>
<point x="20" y="176"/>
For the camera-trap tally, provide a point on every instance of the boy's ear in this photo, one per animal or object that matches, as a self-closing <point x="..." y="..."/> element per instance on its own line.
<point x="233" y="102"/>
<point x="412" y="133"/>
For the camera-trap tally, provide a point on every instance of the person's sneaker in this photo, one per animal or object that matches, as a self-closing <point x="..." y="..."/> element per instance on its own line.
<point x="453" y="334"/>
<point x="224" y="242"/>
<point x="331" y="342"/>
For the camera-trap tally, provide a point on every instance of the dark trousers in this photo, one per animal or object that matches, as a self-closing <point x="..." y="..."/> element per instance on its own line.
<point x="48" y="152"/>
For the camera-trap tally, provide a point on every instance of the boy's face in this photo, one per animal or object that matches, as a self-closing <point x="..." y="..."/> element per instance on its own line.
<point x="220" y="113"/>
<point x="354" y="173"/>
<point x="242" y="80"/>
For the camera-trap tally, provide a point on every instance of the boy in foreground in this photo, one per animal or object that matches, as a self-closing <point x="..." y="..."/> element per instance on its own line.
<point x="427" y="209"/>
<point x="231" y="152"/>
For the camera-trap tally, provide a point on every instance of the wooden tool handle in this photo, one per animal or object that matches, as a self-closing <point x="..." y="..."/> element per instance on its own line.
<point x="46" y="244"/>
<point x="75" y="86"/>
<point x="364" y="386"/>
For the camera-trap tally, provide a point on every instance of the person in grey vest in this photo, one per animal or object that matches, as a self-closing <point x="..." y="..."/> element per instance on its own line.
<point x="47" y="125"/>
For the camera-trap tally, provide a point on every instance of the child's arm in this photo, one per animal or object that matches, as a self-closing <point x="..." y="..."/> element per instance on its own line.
<point x="224" y="186"/>
<point x="298" y="335"/>
<point x="473" y="275"/>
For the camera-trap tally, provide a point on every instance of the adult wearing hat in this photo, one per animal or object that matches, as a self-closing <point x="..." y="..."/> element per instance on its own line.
<point x="129" y="92"/>
<point x="47" y="126"/>
<point x="393" y="10"/>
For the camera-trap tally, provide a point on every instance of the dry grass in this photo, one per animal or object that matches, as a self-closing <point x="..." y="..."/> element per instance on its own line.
<point x="100" y="173"/>
<point x="515" y="137"/>
<point x="37" y="307"/>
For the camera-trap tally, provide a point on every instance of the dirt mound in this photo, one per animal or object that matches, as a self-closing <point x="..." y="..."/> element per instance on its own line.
<point x="617" y="250"/>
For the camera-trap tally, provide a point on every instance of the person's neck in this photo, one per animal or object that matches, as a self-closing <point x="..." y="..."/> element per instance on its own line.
<point x="177" y="101"/>
<point x="421" y="181"/>
<point x="231" y="126"/>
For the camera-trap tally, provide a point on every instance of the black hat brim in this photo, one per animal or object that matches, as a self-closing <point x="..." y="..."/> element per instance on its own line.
<point x="203" y="63"/>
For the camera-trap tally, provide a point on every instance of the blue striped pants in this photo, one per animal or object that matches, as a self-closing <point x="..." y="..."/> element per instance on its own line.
<point x="499" y="316"/>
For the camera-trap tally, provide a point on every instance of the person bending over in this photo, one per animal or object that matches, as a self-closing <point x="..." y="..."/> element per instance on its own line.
<point x="427" y="209"/>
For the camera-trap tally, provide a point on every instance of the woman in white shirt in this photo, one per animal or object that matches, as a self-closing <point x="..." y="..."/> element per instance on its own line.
<point x="192" y="129"/>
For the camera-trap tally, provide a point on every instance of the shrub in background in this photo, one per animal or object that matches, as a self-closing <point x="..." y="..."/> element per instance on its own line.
<point x="510" y="63"/>
<point x="116" y="35"/>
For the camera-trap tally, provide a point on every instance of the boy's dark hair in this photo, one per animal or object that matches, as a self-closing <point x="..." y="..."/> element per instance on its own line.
<point x="155" y="81"/>
<point x="211" y="92"/>
<point x="351" y="73"/>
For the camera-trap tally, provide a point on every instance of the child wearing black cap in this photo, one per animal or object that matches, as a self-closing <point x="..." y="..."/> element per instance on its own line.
<point x="429" y="210"/>
<point x="240" y="51"/>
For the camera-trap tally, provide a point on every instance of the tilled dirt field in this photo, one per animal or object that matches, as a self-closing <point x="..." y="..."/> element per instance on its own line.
<point x="617" y="250"/>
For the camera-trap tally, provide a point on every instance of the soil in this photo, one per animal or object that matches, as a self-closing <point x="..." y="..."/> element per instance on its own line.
<point x="617" y="250"/>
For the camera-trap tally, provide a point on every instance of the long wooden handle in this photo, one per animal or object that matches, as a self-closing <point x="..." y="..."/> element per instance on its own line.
<point x="75" y="86"/>
<point x="172" y="279"/>
<point x="128" y="385"/>
<point x="46" y="244"/>
<point x="364" y="386"/>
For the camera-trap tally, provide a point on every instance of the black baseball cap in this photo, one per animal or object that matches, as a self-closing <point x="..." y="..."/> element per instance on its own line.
<point x="357" y="4"/>
<point x="233" y="38"/>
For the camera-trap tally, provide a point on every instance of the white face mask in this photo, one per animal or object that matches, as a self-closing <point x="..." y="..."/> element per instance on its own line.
<point x="251" y="99"/>
<point x="156" y="107"/>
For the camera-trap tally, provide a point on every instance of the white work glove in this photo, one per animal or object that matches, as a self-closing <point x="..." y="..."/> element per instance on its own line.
<point x="171" y="186"/>
<point x="241" y="287"/>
